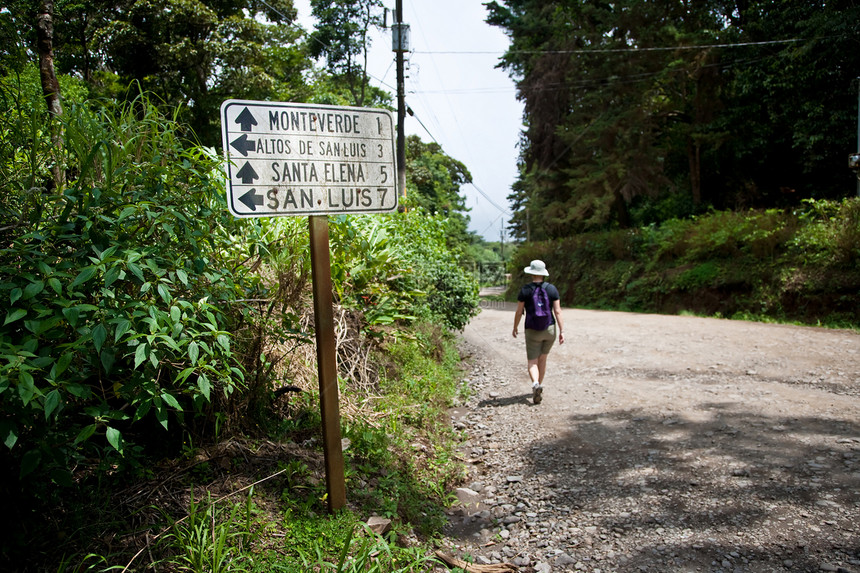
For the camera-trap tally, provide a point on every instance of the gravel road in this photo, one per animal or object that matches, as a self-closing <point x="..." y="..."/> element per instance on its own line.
<point x="663" y="443"/>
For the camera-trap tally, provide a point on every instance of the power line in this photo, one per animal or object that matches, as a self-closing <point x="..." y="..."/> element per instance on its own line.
<point x="616" y="50"/>
<point x="487" y="197"/>
<point x="496" y="220"/>
<point x="472" y="183"/>
<point x="501" y="209"/>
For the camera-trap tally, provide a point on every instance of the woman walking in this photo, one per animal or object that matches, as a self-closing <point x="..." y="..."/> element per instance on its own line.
<point x="540" y="302"/>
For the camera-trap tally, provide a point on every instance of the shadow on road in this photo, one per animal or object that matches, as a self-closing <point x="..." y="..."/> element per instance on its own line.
<point x="741" y="484"/>
<point x="506" y="401"/>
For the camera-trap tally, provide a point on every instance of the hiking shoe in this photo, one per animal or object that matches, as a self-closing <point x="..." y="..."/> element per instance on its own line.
<point x="537" y="394"/>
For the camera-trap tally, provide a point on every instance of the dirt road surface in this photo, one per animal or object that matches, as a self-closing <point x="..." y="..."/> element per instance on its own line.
<point x="663" y="443"/>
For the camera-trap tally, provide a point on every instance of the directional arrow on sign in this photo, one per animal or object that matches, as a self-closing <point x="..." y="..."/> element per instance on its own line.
<point x="246" y="120"/>
<point x="251" y="199"/>
<point x="247" y="174"/>
<point x="243" y="145"/>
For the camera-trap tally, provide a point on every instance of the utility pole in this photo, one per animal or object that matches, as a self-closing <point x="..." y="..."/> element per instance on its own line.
<point x="400" y="45"/>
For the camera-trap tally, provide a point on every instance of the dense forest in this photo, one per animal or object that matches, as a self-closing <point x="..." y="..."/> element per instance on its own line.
<point x="640" y="112"/>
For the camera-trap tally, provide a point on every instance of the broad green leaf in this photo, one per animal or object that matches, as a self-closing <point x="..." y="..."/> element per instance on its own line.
<point x="33" y="289"/>
<point x="161" y="414"/>
<point x="169" y="342"/>
<point x="175" y="314"/>
<point x="63" y="363"/>
<point x="78" y="391"/>
<point x="122" y="327"/>
<point x="139" y="355"/>
<point x="136" y="271"/>
<point x="114" y="438"/>
<point x="14" y="315"/>
<point x="83" y="277"/>
<point x="99" y="336"/>
<point x="111" y="275"/>
<point x="224" y="341"/>
<point x="26" y="386"/>
<point x="108" y="357"/>
<point x="52" y="400"/>
<point x="183" y="276"/>
<point x="183" y="375"/>
<point x="109" y="252"/>
<point x="14" y="295"/>
<point x="39" y="327"/>
<point x="164" y="292"/>
<point x="62" y="477"/>
<point x="171" y="401"/>
<point x="193" y="352"/>
<point x="9" y="435"/>
<point x="29" y="462"/>
<point x="204" y="385"/>
<point x="56" y="285"/>
<point x="72" y="314"/>
<point x="85" y="433"/>
<point x="142" y="410"/>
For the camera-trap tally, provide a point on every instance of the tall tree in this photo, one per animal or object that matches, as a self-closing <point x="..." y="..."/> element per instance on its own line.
<point x="50" y="84"/>
<point x="191" y="54"/>
<point x="341" y="35"/>
<point x="634" y="99"/>
<point x="434" y="180"/>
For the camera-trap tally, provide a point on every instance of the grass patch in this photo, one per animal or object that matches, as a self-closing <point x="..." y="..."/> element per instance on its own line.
<point x="259" y="504"/>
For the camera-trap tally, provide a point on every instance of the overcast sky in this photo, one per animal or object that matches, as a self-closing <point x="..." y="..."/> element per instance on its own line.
<point x="464" y="102"/>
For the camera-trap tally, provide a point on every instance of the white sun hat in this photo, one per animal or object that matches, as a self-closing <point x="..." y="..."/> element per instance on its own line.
<point x="536" y="268"/>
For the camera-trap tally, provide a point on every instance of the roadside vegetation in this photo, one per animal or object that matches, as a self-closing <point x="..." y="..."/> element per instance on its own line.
<point x="158" y="396"/>
<point x="797" y="264"/>
<point x="689" y="157"/>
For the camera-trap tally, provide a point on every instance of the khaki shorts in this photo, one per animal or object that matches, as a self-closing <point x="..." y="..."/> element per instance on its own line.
<point x="539" y="341"/>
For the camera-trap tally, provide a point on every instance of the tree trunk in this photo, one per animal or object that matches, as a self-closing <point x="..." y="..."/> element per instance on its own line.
<point x="694" y="155"/>
<point x="50" y="85"/>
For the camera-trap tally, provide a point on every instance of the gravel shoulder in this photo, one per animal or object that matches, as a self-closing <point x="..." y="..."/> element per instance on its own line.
<point x="663" y="443"/>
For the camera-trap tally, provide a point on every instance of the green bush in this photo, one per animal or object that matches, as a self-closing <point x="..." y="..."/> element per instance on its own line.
<point x="399" y="267"/>
<point x="777" y="264"/>
<point x="121" y="290"/>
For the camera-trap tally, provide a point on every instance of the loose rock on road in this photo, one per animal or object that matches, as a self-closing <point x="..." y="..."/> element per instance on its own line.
<point x="663" y="443"/>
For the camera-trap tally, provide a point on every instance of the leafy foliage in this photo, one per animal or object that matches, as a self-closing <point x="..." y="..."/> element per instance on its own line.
<point x="189" y="55"/>
<point x="121" y="293"/>
<point x="726" y="103"/>
<point x="434" y="180"/>
<point x="342" y="37"/>
<point x="799" y="264"/>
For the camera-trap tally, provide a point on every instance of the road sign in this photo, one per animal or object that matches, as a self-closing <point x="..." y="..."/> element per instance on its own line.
<point x="302" y="159"/>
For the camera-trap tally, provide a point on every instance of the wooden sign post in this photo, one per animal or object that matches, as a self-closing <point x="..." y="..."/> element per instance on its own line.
<point x="327" y="361"/>
<point x="297" y="159"/>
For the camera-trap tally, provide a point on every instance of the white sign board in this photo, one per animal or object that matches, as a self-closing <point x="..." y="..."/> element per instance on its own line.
<point x="303" y="159"/>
